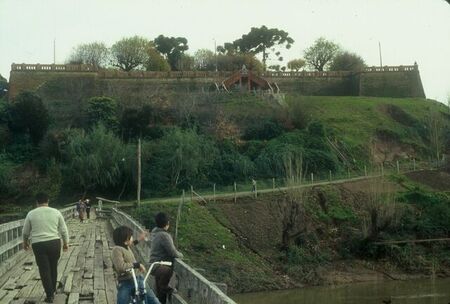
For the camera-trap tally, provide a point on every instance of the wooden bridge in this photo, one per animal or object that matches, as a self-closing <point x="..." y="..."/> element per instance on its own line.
<point x="85" y="273"/>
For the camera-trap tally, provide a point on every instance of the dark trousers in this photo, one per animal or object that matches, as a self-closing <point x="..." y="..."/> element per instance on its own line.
<point x="88" y="213"/>
<point x="162" y="277"/>
<point x="47" y="255"/>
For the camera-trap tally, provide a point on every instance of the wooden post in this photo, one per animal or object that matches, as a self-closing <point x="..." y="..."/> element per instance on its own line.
<point x="273" y="183"/>
<point x="180" y="205"/>
<point x="348" y="172"/>
<point x="414" y="164"/>
<point x="312" y="178"/>
<point x="398" y="167"/>
<point x="192" y="193"/>
<point x="235" y="192"/>
<point x="329" y="173"/>
<point x="365" y="170"/>
<point x="382" y="169"/>
<point x="214" y="192"/>
<point x="256" y="189"/>
<point x="139" y="172"/>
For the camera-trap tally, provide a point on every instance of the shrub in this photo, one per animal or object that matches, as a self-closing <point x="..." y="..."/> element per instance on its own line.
<point x="102" y="110"/>
<point x="29" y="115"/>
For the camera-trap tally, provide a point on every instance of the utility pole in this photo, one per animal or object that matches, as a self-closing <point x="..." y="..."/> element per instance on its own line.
<point x="215" y="52"/>
<point x="379" y="50"/>
<point x="139" y="172"/>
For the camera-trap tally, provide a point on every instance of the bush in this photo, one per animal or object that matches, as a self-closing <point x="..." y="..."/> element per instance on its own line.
<point x="177" y="160"/>
<point x="230" y="166"/>
<point x="264" y="130"/>
<point x="29" y="115"/>
<point x="97" y="160"/>
<point x="102" y="110"/>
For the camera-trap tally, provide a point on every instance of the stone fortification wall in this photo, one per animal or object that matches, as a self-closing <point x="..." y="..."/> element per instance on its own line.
<point x="74" y="83"/>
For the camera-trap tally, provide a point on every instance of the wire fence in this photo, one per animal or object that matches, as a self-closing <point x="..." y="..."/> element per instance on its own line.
<point x="252" y="187"/>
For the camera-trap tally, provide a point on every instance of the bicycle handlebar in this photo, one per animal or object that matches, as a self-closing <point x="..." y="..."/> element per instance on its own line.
<point x="133" y="273"/>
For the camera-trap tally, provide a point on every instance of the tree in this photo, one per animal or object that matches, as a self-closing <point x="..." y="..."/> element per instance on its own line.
<point x="143" y="122"/>
<point x="185" y="63"/>
<point x="179" y="159"/>
<point x="321" y="53"/>
<point x="436" y="134"/>
<point x="172" y="48"/>
<point x="29" y="114"/>
<point x="102" y="110"/>
<point x="96" y="159"/>
<point x="130" y="53"/>
<point x="296" y="64"/>
<point x="95" y="53"/>
<point x="155" y="61"/>
<point x="204" y="60"/>
<point x="235" y="62"/>
<point x="346" y="61"/>
<point x="262" y="40"/>
<point x="3" y="86"/>
<point x="275" y="67"/>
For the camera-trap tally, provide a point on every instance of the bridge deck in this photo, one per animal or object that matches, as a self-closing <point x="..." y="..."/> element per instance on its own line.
<point x="85" y="272"/>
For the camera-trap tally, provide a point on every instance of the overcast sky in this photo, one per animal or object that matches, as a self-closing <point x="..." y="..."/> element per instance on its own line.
<point x="409" y="30"/>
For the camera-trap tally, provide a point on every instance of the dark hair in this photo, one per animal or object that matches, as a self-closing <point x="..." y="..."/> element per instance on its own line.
<point x="161" y="220"/>
<point x="41" y="198"/>
<point x="121" y="235"/>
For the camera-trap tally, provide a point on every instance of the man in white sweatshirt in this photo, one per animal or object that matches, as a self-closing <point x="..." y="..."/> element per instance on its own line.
<point x="44" y="227"/>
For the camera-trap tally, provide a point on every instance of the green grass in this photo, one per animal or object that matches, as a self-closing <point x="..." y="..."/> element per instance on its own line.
<point x="355" y="119"/>
<point x="208" y="245"/>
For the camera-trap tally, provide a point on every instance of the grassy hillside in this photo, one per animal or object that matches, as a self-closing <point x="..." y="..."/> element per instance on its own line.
<point x="329" y="231"/>
<point x="358" y="121"/>
<point x="218" y="138"/>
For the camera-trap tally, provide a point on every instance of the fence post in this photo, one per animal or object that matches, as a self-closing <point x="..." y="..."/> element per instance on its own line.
<point x="312" y="178"/>
<point x="235" y="192"/>
<point x="329" y="173"/>
<point x="256" y="189"/>
<point x="414" y="164"/>
<point x="273" y="183"/>
<point x="398" y="167"/>
<point x="214" y="193"/>
<point x="192" y="193"/>
<point x="365" y="170"/>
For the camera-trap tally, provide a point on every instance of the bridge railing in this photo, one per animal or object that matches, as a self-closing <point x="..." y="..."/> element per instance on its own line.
<point x="192" y="287"/>
<point x="11" y="239"/>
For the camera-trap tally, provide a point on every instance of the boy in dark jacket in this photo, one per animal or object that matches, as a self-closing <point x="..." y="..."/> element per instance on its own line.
<point x="162" y="249"/>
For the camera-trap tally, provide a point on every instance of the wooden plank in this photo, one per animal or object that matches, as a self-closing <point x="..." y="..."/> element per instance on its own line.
<point x="62" y="263"/>
<point x="19" y="301"/>
<point x="73" y="298"/>
<point x="30" y="284"/>
<point x="37" y="291"/>
<point x="87" y="286"/>
<point x="68" y="283"/>
<point x="3" y="293"/>
<point x="99" y="280"/>
<point x="10" y="296"/>
<point x="10" y="284"/>
<point x="100" y="297"/>
<point x="60" y="298"/>
<point x="111" y="289"/>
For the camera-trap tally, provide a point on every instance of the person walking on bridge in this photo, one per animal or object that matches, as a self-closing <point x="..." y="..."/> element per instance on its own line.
<point x="162" y="249"/>
<point x="44" y="227"/>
